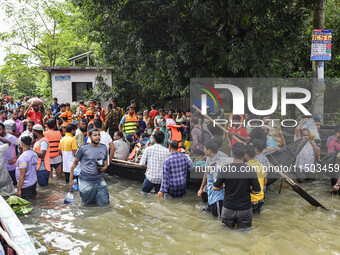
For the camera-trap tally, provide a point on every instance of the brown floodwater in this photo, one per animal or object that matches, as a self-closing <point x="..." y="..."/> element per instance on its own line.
<point x="135" y="223"/>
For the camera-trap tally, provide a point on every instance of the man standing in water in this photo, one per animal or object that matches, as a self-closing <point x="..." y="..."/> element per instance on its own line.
<point x="154" y="156"/>
<point x="93" y="159"/>
<point x="239" y="183"/>
<point x="175" y="169"/>
<point x="26" y="171"/>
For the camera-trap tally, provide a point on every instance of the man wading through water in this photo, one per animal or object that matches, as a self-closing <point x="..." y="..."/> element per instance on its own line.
<point x="238" y="184"/>
<point x="93" y="160"/>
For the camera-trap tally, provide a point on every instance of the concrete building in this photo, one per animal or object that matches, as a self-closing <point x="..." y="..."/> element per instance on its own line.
<point x="70" y="82"/>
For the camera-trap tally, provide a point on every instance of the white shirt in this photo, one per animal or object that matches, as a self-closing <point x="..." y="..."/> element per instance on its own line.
<point x="121" y="149"/>
<point x="154" y="156"/>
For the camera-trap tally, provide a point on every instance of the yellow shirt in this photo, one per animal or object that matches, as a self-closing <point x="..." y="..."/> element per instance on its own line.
<point x="67" y="144"/>
<point x="261" y="174"/>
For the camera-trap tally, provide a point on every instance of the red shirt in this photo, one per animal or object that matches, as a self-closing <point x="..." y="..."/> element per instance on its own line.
<point x="35" y="116"/>
<point x="242" y="131"/>
<point x="153" y="114"/>
<point x="333" y="145"/>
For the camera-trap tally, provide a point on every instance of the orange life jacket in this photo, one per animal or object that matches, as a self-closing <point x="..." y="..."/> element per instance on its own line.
<point x="37" y="148"/>
<point x="69" y="116"/>
<point x="130" y="124"/>
<point x="53" y="138"/>
<point x="134" y="151"/>
<point x="176" y="135"/>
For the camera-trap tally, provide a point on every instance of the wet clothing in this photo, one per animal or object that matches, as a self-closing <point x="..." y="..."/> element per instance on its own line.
<point x="28" y="159"/>
<point x="243" y="218"/>
<point x="237" y="187"/>
<point x="213" y="195"/>
<point x="88" y="156"/>
<point x="174" y="179"/>
<point x="148" y="186"/>
<point x="43" y="165"/>
<point x="154" y="156"/>
<point x="260" y="172"/>
<point x="94" y="192"/>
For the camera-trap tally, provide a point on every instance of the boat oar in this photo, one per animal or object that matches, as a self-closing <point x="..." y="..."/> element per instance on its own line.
<point x="299" y="190"/>
<point x="217" y="124"/>
<point x="280" y="186"/>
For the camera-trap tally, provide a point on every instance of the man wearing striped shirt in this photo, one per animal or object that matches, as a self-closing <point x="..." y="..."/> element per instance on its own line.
<point x="154" y="156"/>
<point x="175" y="169"/>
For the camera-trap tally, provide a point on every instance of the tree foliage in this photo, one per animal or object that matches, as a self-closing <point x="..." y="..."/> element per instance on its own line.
<point x="45" y="29"/>
<point x="21" y="78"/>
<point x="159" y="45"/>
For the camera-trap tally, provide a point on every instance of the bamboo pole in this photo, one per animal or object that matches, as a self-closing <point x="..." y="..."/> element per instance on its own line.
<point x="217" y="124"/>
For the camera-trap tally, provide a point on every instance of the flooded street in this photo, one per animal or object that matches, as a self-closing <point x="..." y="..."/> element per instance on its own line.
<point x="138" y="224"/>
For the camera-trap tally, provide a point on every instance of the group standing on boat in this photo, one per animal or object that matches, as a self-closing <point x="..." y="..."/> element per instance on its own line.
<point x="36" y="142"/>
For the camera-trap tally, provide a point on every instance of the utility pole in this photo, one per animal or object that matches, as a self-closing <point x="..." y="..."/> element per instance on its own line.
<point x="318" y="90"/>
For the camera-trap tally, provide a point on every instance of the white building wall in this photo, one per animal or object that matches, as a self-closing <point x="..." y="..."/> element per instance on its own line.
<point x="62" y="89"/>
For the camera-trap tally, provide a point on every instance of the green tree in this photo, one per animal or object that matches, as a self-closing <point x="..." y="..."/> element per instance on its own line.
<point x="22" y="78"/>
<point x="158" y="46"/>
<point x="46" y="29"/>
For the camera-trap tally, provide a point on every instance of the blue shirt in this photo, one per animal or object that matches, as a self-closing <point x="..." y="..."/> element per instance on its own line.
<point x="213" y="195"/>
<point x="55" y="109"/>
<point x="271" y="142"/>
<point x="122" y="121"/>
<point x="175" y="169"/>
<point x="142" y="125"/>
<point x="19" y="103"/>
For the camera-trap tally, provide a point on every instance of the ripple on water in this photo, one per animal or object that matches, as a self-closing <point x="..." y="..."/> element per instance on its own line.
<point x="137" y="223"/>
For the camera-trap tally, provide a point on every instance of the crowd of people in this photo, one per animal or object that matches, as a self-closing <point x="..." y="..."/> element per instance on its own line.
<point x="36" y="142"/>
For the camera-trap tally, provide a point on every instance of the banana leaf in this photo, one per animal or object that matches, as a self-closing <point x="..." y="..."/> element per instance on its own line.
<point x="19" y="205"/>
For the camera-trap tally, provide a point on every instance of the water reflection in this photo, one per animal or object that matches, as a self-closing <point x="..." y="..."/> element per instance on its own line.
<point x="136" y="223"/>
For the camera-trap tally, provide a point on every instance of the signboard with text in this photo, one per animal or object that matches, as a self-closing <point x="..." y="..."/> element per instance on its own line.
<point x="321" y="45"/>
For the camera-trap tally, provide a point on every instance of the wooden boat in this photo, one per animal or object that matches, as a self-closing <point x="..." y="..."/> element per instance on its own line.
<point x="13" y="236"/>
<point x="282" y="157"/>
<point x="134" y="171"/>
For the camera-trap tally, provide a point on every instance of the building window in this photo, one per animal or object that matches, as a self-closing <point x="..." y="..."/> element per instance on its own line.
<point x="78" y="89"/>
